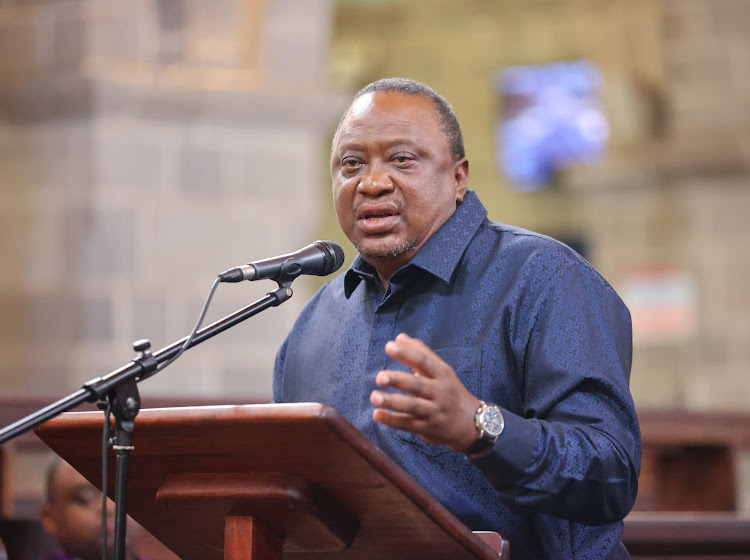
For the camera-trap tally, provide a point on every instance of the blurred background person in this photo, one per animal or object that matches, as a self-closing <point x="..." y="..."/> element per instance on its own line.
<point x="72" y="514"/>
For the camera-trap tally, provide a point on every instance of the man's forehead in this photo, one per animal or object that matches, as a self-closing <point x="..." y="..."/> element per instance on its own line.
<point x="394" y="115"/>
<point x="392" y="103"/>
<point x="361" y="106"/>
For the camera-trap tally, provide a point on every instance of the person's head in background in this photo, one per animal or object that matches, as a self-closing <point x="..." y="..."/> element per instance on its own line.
<point x="72" y="513"/>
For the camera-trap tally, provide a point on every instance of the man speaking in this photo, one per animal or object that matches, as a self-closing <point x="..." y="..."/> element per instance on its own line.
<point x="490" y="362"/>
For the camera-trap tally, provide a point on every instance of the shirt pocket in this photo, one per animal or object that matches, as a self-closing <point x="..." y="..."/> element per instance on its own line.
<point x="467" y="363"/>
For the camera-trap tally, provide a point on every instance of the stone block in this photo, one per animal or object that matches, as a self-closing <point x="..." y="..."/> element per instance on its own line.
<point x="53" y="253"/>
<point x="657" y="377"/>
<point x="213" y="34"/>
<point x="107" y="244"/>
<point x="296" y="47"/>
<point x="46" y="98"/>
<point x="149" y="316"/>
<point x="730" y="17"/>
<point x="711" y="351"/>
<point x="17" y="326"/>
<point x="55" y="318"/>
<point x="96" y="316"/>
<point x="41" y="371"/>
<point x="121" y="160"/>
<point x="22" y="168"/>
<point x="114" y="40"/>
<point x="48" y="170"/>
<point x="16" y="229"/>
<point x="687" y="17"/>
<point x="36" y="319"/>
<point x="14" y="365"/>
<point x="69" y="43"/>
<point x="87" y="360"/>
<point x="280" y="164"/>
<point x="196" y="240"/>
<point x="18" y="49"/>
<point x="725" y="388"/>
<point x="201" y="170"/>
<point x="248" y="380"/>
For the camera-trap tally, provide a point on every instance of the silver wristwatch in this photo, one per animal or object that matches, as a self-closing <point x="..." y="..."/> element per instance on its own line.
<point x="490" y="423"/>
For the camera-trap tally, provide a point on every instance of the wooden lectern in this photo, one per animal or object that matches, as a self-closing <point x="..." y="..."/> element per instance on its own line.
<point x="269" y="482"/>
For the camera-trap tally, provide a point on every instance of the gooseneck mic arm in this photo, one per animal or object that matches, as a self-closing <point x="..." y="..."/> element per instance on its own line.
<point x="142" y="367"/>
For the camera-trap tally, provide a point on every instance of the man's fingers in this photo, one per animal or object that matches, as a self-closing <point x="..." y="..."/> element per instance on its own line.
<point x="406" y="404"/>
<point x="418" y="356"/>
<point x="416" y="385"/>
<point x="398" y="420"/>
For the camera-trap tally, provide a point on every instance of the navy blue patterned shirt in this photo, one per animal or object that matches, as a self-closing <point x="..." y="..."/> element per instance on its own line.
<point x="527" y="324"/>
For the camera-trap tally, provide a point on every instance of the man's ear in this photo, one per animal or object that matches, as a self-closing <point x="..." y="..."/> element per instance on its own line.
<point x="461" y="175"/>
<point x="48" y="519"/>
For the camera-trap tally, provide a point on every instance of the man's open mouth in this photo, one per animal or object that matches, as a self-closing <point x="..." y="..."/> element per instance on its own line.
<point x="378" y="220"/>
<point x="378" y="215"/>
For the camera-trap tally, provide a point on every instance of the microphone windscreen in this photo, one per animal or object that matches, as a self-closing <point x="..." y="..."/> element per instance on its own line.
<point x="334" y="256"/>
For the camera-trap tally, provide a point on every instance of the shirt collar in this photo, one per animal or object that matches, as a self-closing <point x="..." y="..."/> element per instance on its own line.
<point x="440" y="254"/>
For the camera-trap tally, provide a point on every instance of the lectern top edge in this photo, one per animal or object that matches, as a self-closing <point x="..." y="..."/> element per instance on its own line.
<point x="328" y="442"/>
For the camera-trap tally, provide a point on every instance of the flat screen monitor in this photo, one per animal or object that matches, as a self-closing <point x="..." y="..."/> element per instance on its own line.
<point x="551" y="120"/>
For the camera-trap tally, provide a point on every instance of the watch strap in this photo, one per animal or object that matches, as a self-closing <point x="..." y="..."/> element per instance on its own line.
<point x="479" y="446"/>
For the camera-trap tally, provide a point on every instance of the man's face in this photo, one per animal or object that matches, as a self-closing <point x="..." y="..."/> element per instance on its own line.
<point x="73" y="515"/>
<point x="394" y="181"/>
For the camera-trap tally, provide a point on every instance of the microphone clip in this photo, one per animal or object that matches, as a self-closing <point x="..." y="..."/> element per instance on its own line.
<point x="289" y="271"/>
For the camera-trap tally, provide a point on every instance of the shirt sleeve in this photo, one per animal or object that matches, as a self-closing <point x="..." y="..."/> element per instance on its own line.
<point x="574" y="451"/>
<point x="278" y="372"/>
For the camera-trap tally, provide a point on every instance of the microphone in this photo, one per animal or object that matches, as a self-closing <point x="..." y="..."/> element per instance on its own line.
<point x="318" y="259"/>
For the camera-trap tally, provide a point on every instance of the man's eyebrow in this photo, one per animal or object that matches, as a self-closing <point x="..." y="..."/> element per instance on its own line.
<point x="407" y="140"/>
<point x="389" y="143"/>
<point x="356" y="146"/>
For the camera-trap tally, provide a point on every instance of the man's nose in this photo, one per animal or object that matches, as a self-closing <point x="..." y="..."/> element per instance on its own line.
<point x="375" y="181"/>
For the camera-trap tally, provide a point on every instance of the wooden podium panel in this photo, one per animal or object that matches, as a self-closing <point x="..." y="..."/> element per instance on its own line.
<point x="305" y="472"/>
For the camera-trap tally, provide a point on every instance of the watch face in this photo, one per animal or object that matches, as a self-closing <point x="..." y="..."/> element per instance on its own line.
<point x="492" y="421"/>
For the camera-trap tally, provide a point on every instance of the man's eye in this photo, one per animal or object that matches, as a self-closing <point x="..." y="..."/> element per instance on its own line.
<point x="350" y="164"/>
<point x="402" y="160"/>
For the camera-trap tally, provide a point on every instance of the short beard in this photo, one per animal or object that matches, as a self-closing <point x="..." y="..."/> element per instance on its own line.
<point x="389" y="254"/>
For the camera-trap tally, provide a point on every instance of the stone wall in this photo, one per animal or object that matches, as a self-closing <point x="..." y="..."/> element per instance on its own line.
<point x="44" y="100"/>
<point x="692" y="210"/>
<point x="145" y="148"/>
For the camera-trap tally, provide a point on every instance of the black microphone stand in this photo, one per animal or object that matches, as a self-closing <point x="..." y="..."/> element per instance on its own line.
<point x="119" y="387"/>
